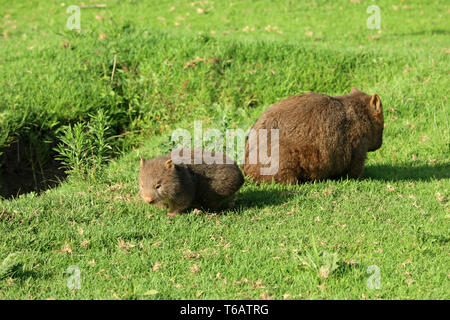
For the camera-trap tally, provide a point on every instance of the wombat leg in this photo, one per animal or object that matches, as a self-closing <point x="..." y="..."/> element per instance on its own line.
<point x="288" y="170"/>
<point x="288" y="165"/>
<point x="172" y="214"/>
<point x="356" y="167"/>
<point x="286" y="176"/>
<point x="176" y="208"/>
<point x="161" y="205"/>
<point x="231" y="203"/>
<point x="224" y="204"/>
<point x="173" y="211"/>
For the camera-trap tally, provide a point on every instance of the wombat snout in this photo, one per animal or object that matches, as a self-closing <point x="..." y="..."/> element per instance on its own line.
<point x="149" y="200"/>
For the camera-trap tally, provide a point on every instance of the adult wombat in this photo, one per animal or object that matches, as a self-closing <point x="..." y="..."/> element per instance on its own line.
<point x="319" y="136"/>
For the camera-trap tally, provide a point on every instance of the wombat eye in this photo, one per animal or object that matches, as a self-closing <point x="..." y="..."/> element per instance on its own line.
<point x="157" y="186"/>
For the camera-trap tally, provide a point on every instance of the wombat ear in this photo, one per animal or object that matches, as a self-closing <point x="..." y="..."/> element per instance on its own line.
<point x="169" y="164"/>
<point x="375" y="103"/>
<point x="354" y="90"/>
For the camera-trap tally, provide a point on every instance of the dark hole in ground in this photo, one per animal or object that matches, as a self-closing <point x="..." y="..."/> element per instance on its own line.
<point x="25" y="167"/>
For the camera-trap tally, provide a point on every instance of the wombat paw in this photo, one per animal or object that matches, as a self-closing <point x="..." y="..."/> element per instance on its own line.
<point x="197" y="211"/>
<point x="231" y="204"/>
<point x="172" y="215"/>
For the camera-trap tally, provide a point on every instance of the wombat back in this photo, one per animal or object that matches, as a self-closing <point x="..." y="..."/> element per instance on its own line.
<point x="217" y="177"/>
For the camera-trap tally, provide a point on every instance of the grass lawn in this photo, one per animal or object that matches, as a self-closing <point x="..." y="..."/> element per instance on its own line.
<point x="154" y="66"/>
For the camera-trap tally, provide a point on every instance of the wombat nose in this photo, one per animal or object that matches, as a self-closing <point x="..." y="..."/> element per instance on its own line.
<point x="149" y="200"/>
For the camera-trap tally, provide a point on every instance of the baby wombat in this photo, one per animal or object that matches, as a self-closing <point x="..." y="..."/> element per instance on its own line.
<point x="193" y="183"/>
<point x="319" y="136"/>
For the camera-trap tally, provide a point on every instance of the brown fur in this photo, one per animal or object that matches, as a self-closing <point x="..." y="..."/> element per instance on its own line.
<point x="182" y="186"/>
<point x="321" y="136"/>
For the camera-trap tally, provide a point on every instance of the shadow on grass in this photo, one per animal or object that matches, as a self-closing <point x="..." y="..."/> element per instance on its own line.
<point x="423" y="33"/>
<point x="407" y="173"/>
<point x="436" y="239"/>
<point x="250" y="199"/>
<point x="260" y="198"/>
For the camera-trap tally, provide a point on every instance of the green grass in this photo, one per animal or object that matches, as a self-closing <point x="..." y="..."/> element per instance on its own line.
<point x="275" y="242"/>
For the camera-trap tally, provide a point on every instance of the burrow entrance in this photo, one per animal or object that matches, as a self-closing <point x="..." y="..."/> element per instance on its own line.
<point x="26" y="168"/>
